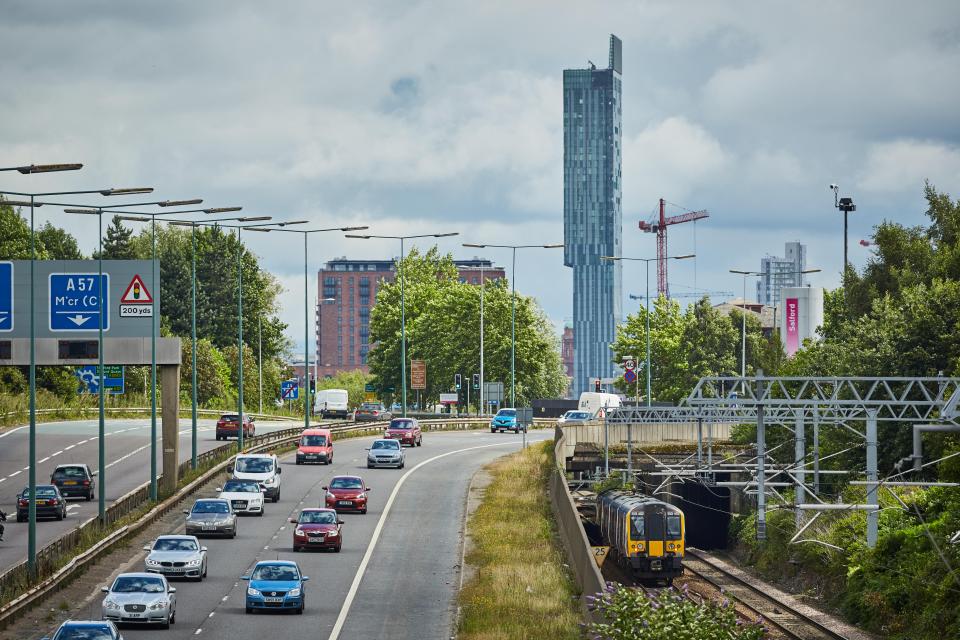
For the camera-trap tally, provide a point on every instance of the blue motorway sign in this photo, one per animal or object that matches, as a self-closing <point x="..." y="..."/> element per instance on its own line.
<point x="6" y="296"/>
<point x="289" y="390"/>
<point x="75" y="303"/>
<point x="90" y="379"/>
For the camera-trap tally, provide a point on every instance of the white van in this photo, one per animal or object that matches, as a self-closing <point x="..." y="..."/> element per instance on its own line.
<point x="332" y="403"/>
<point x="262" y="467"/>
<point x="596" y="404"/>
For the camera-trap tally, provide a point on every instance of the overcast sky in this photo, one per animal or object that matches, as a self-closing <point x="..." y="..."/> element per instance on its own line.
<point x="422" y="117"/>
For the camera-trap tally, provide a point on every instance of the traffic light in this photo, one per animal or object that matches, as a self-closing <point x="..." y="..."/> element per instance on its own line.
<point x="596" y="385"/>
<point x="313" y="385"/>
<point x="476" y="381"/>
<point x="456" y="381"/>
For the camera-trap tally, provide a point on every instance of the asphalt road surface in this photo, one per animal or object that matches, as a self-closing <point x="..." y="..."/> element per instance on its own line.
<point x="397" y="575"/>
<point x="128" y="466"/>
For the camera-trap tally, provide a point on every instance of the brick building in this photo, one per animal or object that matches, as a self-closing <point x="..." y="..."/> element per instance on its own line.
<point x="347" y="291"/>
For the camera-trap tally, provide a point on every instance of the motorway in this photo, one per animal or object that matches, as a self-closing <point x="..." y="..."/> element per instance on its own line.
<point x="128" y="466"/>
<point x="397" y="575"/>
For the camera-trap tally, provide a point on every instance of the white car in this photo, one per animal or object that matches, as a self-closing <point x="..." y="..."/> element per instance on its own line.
<point x="140" y="598"/>
<point x="260" y="467"/>
<point x="386" y="453"/>
<point x="177" y="557"/>
<point x="245" y="496"/>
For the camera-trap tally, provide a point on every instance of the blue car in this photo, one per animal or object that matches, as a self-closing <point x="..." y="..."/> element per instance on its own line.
<point x="87" y="630"/>
<point x="505" y="420"/>
<point x="276" y="584"/>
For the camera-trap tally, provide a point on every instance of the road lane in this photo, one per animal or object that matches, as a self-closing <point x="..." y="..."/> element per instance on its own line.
<point x="412" y="575"/>
<point x="127" y="444"/>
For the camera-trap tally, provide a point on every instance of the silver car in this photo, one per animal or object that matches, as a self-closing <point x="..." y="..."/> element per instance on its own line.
<point x="177" y="557"/>
<point x="212" y="516"/>
<point x="140" y="598"/>
<point x="386" y="453"/>
<point x="575" y="417"/>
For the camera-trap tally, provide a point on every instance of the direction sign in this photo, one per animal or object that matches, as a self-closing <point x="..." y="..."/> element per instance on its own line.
<point x="418" y="374"/>
<point x="113" y="380"/>
<point x="75" y="303"/>
<point x="630" y="375"/>
<point x="289" y="390"/>
<point x="6" y="296"/>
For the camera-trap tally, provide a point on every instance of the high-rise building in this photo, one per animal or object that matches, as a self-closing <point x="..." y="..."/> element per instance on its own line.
<point x="347" y="291"/>
<point x="777" y="273"/>
<point x="592" y="213"/>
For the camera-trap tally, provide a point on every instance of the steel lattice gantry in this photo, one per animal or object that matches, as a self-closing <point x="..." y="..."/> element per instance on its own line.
<point x="926" y="403"/>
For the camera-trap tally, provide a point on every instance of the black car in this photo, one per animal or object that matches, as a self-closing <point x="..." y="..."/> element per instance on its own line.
<point x="74" y="481"/>
<point x="50" y="503"/>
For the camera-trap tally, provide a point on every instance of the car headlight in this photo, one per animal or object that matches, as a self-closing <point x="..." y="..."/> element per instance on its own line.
<point x="252" y="592"/>
<point x="300" y="532"/>
<point x="332" y="534"/>
<point x="361" y="496"/>
<point x="159" y="604"/>
<point x="294" y="593"/>
<point x="270" y="480"/>
<point x="110" y="604"/>
<point x="330" y="496"/>
<point x="195" y="563"/>
<point x="153" y="563"/>
<point x="224" y="521"/>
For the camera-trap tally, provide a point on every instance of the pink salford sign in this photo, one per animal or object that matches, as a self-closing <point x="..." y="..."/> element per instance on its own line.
<point x="792" y="325"/>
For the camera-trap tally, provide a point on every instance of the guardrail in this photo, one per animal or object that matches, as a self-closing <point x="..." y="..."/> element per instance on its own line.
<point x="200" y="412"/>
<point x="50" y="556"/>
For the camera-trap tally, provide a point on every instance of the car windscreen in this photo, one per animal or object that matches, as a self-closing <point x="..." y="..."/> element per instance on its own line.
<point x="507" y="412"/>
<point x="386" y="444"/>
<point x="313" y="441"/>
<point x="401" y="424"/>
<point x="318" y="517"/>
<point x="100" y="632"/>
<point x="346" y="483"/>
<point x="230" y="417"/>
<point x="239" y="486"/>
<point x="254" y="465"/>
<point x="275" y="572"/>
<point x="578" y="415"/>
<point x="211" y="507"/>
<point x="174" y="544"/>
<point x="70" y="472"/>
<point x="137" y="584"/>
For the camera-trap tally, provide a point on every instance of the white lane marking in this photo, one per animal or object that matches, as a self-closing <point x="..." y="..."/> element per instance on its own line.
<point x="24" y="469"/>
<point x="43" y="460"/>
<point x="70" y="447"/>
<point x="56" y="453"/>
<point x="3" y="479"/>
<point x="355" y="586"/>
<point x="6" y="433"/>
<point x="15" y="473"/>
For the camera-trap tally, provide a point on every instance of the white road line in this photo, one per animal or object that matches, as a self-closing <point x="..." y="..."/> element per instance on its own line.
<point x="15" y="473"/>
<point x="6" y="433"/>
<point x="43" y="460"/>
<point x="3" y="479"/>
<point x="355" y="586"/>
<point x="56" y="453"/>
<point x="71" y="446"/>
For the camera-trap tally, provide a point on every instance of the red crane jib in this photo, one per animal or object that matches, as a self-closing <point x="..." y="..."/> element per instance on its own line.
<point x="660" y="228"/>
<point x="651" y="227"/>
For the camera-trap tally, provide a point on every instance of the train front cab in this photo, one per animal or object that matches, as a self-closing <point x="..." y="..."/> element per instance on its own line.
<point x="656" y="541"/>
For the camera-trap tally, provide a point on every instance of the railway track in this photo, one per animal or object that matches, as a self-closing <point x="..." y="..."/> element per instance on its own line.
<point x="795" y="622"/>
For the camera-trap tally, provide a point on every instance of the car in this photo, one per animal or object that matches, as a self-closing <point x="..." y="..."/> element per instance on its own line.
<point x="276" y="584"/>
<point x="574" y="417"/>
<point x="177" y="557"/>
<point x="506" y="420"/>
<point x="316" y="445"/>
<point x="371" y="412"/>
<point x="74" y="480"/>
<point x="346" y="493"/>
<point x="228" y="426"/>
<point x="86" y="630"/>
<point x="245" y="496"/>
<point x="317" y="529"/>
<point x="262" y="467"/>
<point x="211" y="516"/>
<point x="386" y="453"/>
<point x="406" y="430"/>
<point x="140" y="598"/>
<point x="50" y="503"/>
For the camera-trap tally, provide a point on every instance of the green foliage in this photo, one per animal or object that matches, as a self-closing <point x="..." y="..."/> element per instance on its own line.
<point x="634" y="614"/>
<point x="15" y="236"/>
<point x="215" y="386"/>
<point x="59" y="244"/>
<point x="117" y="242"/>
<point x="443" y="329"/>
<point x="353" y="381"/>
<point x="59" y="381"/>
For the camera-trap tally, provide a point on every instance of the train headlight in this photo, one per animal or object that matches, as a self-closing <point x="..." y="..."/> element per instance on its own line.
<point x="670" y="546"/>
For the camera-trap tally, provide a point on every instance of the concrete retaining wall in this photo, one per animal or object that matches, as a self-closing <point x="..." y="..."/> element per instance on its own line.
<point x="657" y="433"/>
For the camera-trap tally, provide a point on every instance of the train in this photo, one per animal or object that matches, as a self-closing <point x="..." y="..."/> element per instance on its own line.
<point x="646" y="535"/>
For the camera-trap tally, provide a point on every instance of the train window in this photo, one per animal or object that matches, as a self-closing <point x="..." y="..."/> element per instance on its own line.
<point x="673" y="526"/>
<point x="636" y="526"/>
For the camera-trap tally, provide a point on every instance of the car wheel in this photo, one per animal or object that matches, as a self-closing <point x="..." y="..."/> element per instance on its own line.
<point x="337" y="549"/>
<point x="234" y="534"/>
<point x="300" y="610"/>
<point x="296" y="549"/>
<point x="60" y="515"/>
<point x="90" y="495"/>
<point x="260" y="514"/>
<point x="21" y="518"/>
<point x="298" y="463"/>
<point x="369" y="466"/>
<point x="363" y="511"/>
<point x="249" y="610"/>
<point x="419" y="442"/>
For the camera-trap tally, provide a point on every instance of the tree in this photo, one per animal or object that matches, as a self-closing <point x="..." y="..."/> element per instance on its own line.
<point x="59" y="244"/>
<point x="117" y="242"/>
<point x="215" y="385"/>
<point x="15" y="236"/>
<point x="353" y="381"/>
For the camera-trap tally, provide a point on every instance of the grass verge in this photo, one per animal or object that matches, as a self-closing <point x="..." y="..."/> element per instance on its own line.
<point x="521" y="588"/>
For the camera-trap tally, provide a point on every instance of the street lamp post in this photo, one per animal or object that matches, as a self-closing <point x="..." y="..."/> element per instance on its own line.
<point x="845" y="205"/>
<point x="647" y="262"/>
<point x="513" y="303"/>
<point x="403" y="319"/>
<point x="306" y="307"/>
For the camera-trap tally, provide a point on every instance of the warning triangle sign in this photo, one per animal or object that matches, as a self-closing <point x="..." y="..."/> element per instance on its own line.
<point x="136" y="292"/>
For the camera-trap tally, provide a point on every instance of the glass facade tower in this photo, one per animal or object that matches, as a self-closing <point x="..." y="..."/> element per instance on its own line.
<point x="592" y="214"/>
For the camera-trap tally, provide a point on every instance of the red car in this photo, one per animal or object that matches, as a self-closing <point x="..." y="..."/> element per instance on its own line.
<point x="317" y="529"/>
<point x="347" y="493"/>
<point x="406" y="430"/>
<point x="228" y="426"/>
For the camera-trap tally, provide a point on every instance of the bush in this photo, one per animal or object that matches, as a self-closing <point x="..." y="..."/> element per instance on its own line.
<point x="634" y="614"/>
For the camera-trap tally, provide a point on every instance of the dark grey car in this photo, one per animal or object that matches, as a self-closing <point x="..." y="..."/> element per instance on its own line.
<point x="211" y="516"/>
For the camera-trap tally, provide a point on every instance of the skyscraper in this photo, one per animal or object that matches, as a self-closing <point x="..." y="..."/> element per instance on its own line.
<point x="592" y="213"/>
<point x="777" y="273"/>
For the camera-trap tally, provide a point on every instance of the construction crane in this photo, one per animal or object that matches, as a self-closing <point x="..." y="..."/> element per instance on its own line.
<point x="693" y="294"/>
<point x="660" y="228"/>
